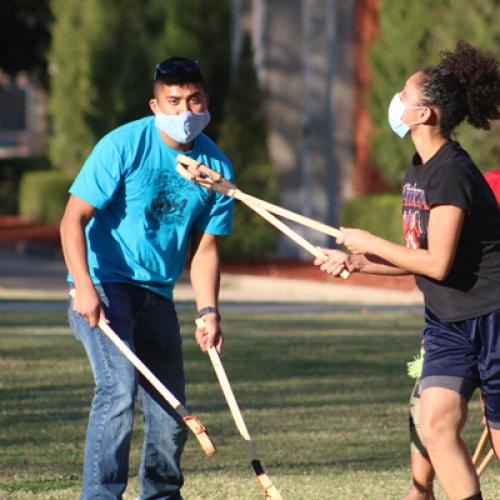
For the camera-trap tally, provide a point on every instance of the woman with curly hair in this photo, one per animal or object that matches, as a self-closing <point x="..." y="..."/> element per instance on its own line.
<point x="451" y="224"/>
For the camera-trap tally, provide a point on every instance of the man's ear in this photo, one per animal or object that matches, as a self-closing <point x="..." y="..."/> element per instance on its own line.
<point x="153" y="105"/>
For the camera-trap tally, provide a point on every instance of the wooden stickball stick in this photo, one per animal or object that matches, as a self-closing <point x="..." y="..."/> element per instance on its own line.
<point x="306" y="245"/>
<point x="214" y="181"/>
<point x="481" y="445"/>
<point x="191" y="421"/>
<point x="217" y="183"/>
<point x="487" y="459"/>
<point x="270" y="491"/>
<point x="479" y="464"/>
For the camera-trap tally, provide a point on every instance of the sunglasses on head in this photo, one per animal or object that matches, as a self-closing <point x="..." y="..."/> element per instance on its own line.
<point x="175" y="66"/>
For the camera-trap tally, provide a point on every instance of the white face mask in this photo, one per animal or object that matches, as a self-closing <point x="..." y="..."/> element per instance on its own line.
<point x="182" y="128"/>
<point x="395" y="115"/>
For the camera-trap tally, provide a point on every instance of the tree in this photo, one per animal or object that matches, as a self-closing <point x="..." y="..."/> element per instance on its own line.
<point x="411" y="36"/>
<point x="103" y="56"/>
<point x="101" y="72"/>
<point x="72" y="91"/>
<point x="243" y="137"/>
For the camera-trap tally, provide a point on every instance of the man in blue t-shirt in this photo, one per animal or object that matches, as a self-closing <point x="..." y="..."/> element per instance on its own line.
<point x="125" y="235"/>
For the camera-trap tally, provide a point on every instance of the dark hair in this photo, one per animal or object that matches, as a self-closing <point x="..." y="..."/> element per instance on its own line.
<point x="465" y="84"/>
<point x="178" y="71"/>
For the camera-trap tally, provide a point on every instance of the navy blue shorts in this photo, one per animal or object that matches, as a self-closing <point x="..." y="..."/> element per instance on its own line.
<point x="464" y="355"/>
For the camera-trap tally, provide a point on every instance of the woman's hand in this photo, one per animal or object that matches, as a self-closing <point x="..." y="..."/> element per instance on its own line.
<point x="334" y="263"/>
<point x="358" y="241"/>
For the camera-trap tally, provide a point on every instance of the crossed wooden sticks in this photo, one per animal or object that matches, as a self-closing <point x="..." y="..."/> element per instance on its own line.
<point x="214" y="181"/>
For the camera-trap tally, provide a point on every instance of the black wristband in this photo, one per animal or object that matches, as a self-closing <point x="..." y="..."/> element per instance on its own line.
<point x="208" y="310"/>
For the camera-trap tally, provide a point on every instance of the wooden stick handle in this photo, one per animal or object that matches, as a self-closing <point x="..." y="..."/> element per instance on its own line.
<point x="139" y="365"/>
<point x="288" y="214"/>
<point x="229" y="395"/>
<point x="487" y="459"/>
<point x="270" y="491"/>
<point x="481" y="444"/>
<point x="306" y="245"/>
<point x="191" y="421"/>
<point x="479" y="464"/>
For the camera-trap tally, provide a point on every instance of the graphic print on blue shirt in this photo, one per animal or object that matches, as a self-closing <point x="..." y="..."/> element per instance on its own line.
<point x="166" y="207"/>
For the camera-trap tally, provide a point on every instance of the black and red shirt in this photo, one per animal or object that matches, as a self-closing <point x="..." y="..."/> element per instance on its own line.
<point x="450" y="177"/>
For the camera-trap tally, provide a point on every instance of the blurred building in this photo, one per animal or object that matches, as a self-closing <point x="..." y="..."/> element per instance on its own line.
<point x="23" y="118"/>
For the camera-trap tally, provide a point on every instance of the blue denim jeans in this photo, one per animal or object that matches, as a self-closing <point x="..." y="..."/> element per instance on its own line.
<point x="148" y="324"/>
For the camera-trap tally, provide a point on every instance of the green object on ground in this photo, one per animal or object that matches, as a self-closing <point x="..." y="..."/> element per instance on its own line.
<point x="415" y="366"/>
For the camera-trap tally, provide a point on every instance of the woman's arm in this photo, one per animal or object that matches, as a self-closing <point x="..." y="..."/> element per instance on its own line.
<point x="445" y="226"/>
<point x="373" y="264"/>
<point x="337" y="261"/>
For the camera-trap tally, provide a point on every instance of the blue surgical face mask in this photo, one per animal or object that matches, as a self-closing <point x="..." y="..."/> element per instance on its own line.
<point x="182" y="128"/>
<point x="395" y="115"/>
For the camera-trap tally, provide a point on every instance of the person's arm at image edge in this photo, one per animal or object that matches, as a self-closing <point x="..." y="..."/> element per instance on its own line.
<point x="76" y="216"/>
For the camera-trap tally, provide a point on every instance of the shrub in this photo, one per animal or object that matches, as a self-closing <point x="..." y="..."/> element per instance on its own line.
<point x="43" y="195"/>
<point x="379" y="214"/>
<point x="11" y="172"/>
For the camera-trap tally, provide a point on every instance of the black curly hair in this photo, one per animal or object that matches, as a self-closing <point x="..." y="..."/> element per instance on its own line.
<point x="465" y="84"/>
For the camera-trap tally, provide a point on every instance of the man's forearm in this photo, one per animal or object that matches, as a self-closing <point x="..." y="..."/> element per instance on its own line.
<point x="205" y="277"/>
<point x="75" y="252"/>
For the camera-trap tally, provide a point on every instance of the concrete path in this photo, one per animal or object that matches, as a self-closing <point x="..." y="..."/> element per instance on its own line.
<point x="38" y="282"/>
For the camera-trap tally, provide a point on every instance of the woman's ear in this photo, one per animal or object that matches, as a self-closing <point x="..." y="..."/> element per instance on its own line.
<point x="428" y="116"/>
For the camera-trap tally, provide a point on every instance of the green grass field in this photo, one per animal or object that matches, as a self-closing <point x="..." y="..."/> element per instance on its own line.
<point x="324" y="397"/>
